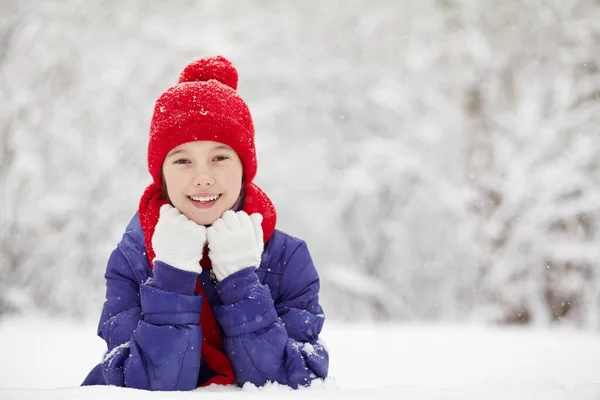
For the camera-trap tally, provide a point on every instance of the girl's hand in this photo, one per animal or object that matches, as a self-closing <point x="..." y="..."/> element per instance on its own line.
<point x="235" y="242"/>
<point x="177" y="240"/>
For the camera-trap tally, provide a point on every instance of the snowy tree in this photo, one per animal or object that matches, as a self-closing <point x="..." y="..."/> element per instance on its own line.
<point x="534" y="111"/>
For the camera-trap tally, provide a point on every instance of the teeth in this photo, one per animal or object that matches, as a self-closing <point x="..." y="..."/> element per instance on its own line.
<point x="204" y="199"/>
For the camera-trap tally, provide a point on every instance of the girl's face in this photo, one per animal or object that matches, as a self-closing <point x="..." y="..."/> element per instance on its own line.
<point x="203" y="179"/>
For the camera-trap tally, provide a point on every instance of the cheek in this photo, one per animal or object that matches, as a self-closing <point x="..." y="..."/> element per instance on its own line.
<point x="236" y="178"/>
<point x="230" y="180"/>
<point x="232" y="173"/>
<point x="172" y="181"/>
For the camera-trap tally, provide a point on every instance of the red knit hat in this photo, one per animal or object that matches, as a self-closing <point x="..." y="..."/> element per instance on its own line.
<point x="204" y="105"/>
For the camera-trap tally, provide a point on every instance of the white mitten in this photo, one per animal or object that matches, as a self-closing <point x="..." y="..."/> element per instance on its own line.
<point x="177" y="240"/>
<point x="235" y="242"/>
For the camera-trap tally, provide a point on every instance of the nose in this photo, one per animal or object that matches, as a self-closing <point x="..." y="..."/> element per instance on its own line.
<point x="203" y="177"/>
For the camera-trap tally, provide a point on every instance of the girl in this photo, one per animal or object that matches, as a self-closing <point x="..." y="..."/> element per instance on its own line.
<point x="202" y="289"/>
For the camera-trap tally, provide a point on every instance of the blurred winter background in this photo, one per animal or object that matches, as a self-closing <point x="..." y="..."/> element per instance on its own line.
<point x="441" y="158"/>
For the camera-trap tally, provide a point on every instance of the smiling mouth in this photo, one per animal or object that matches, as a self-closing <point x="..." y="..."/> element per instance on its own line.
<point x="204" y="199"/>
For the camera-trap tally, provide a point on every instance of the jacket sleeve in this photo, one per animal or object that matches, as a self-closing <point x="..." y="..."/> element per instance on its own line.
<point x="269" y="340"/>
<point x="152" y="330"/>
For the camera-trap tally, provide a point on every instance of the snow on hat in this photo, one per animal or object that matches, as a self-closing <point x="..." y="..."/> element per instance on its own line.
<point x="204" y="105"/>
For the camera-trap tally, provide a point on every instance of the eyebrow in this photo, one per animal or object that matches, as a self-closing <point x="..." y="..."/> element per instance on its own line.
<point x="216" y="148"/>
<point x="175" y="152"/>
<point x="222" y="147"/>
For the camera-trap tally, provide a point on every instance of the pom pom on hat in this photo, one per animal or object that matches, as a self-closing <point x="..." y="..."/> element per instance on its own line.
<point x="208" y="68"/>
<point x="202" y="106"/>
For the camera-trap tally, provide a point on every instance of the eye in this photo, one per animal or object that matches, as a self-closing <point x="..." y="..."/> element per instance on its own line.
<point x="220" y="158"/>
<point x="181" y="161"/>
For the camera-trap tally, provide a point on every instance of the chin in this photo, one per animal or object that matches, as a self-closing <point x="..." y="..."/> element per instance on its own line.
<point x="207" y="219"/>
<point x="204" y="220"/>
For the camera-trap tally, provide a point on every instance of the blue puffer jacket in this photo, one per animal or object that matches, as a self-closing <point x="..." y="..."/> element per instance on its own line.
<point x="270" y="317"/>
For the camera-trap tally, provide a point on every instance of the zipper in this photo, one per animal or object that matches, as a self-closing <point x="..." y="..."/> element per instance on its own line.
<point x="213" y="277"/>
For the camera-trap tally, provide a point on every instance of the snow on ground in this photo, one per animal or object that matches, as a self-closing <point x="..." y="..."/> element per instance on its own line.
<point x="42" y="358"/>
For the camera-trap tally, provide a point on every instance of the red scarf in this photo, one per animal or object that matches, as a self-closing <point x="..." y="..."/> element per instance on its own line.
<point x="213" y="354"/>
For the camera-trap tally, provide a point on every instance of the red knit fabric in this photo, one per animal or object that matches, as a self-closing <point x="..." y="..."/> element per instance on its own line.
<point x="202" y="106"/>
<point x="212" y="352"/>
<point x="205" y="69"/>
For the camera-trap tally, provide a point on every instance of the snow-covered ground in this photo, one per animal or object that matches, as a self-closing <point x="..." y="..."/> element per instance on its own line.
<point x="42" y="358"/>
